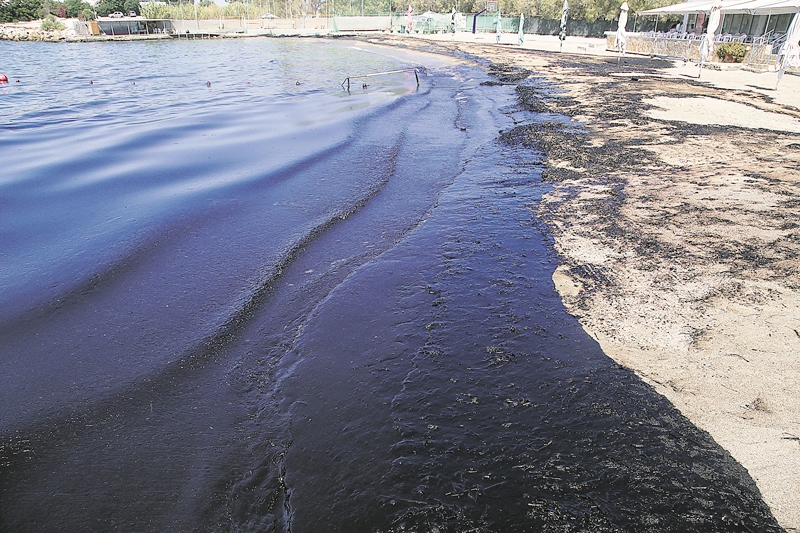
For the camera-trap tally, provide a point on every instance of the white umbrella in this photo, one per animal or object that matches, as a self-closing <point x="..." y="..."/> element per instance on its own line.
<point x="789" y="55"/>
<point x="521" y="36"/>
<point x="622" y="38"/>
<point x="563" y="34"/>
<point x="707" y="46"/>
<point x="499" y="27"/>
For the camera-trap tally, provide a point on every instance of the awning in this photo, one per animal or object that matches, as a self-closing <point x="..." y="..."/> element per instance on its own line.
<point x="750" y="7"/>
<point x="767" y="7"/>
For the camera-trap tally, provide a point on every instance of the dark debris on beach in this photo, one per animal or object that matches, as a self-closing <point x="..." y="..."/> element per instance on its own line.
<point x="593" y="134"/>
<point x="572" y="153"/>
<point x="616" y="100"/>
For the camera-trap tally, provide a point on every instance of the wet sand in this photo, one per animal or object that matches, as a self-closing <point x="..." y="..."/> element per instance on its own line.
<point x="676" y="214"/>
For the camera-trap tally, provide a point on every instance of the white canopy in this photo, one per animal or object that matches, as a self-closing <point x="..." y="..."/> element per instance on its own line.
<point x="750" y="7"/>
<point x="764" y="7"/>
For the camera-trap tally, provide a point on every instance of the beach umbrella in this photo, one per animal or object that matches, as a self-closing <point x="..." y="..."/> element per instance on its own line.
<point x="563" y="33"/>
<point x="789" y="55"/>
<point x="499" y="27"/>
<point x="707" y="46"/>
<point x="622" y="38"/>
<point x="521" y="36"/>
<point x="410" y="17"/>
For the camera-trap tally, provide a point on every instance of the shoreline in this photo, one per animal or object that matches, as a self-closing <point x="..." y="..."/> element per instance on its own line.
<point x="675" y="215"/>
<point x="676" y="218"/>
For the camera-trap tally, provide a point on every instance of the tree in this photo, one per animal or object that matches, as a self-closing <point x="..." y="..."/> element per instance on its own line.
<point x="104" y="7"/>
<point x="13" y="10"/>
<point x="131" y="6"/>
<point x="76" y="7"/>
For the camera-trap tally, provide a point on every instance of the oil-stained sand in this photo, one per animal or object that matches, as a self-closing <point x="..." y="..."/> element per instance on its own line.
<point x="678" y="239"/>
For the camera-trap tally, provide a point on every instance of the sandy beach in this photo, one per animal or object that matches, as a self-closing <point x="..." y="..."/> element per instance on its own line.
<point x="675" y="213"/>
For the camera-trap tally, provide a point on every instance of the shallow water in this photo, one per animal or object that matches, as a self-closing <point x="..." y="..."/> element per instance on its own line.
<point x="268" y="306"/>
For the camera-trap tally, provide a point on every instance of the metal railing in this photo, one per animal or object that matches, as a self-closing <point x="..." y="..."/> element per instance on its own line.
<point x="764" y="51"/>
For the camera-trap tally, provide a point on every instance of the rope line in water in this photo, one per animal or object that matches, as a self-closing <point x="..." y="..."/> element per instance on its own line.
<point x="347" y="79"/>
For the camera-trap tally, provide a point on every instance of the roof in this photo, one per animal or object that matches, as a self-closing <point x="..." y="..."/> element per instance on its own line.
<point x="765" y="7"/>
<point x="751" y="7"/>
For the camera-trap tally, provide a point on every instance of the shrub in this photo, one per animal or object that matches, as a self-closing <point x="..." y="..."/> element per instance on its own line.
<point x="733" y="51"/>
<point x="50" y="23"/>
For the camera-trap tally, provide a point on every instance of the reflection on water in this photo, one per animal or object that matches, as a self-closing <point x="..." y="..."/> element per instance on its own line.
<point x="267" y="306"/>
<point x="93" y="168"/>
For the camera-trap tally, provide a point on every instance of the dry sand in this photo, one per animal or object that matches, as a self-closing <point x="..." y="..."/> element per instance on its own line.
<point x="676" y="213"/>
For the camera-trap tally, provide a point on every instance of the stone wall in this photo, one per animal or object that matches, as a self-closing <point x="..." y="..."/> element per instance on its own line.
<point x="19" y="32"/>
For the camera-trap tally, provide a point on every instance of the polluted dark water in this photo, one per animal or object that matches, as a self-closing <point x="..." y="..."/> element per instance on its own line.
<point x="264" y="306"/>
